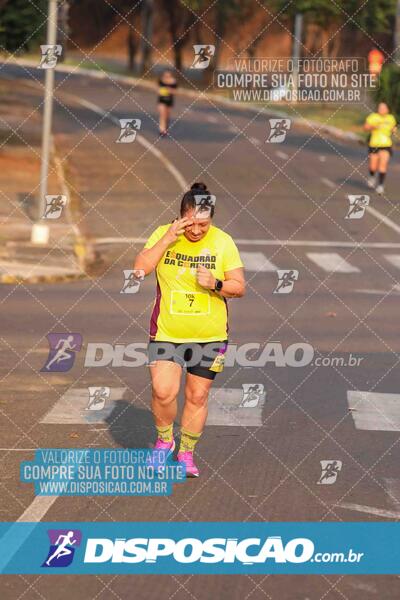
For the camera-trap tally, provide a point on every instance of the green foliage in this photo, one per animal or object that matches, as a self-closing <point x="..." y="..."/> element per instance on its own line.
<point x="373" y="16"/>
<point x="22" y="24"/>
<point x="389" y="88"/>
<point x="320" y="12"/>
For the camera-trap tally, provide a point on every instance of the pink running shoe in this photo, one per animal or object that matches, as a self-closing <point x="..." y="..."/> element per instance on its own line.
<point x="160" y="458"/>
<point x="160" y="445"/>
<point x="186" y="458"/>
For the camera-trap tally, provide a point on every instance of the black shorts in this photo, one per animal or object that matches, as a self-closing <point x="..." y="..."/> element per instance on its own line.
<point x="200" y="358"/>
<point x="167" y="100"/>
<point x="375" y="150"/>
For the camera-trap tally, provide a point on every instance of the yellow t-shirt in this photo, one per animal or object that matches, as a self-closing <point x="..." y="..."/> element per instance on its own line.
<point x="184" y="311"/>
<point x="381" y="137"/>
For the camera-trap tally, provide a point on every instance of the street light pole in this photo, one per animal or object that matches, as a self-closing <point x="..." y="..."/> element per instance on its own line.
<point x="298" y="33"/>
<point x="40" y="232"/>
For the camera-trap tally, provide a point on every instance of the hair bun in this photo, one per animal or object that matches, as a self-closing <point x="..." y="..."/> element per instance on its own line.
<point x="199" y="187"/>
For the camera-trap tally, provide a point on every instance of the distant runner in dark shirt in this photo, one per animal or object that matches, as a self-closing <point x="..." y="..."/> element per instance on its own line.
<point x="167" y="86"/>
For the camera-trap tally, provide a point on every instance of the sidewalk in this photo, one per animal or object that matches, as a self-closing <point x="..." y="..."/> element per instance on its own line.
<point x="20" y="139"/>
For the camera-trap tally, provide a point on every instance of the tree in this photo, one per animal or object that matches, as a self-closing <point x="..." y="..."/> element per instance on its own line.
<point x="181" y="18"/>
<point x="147" y="7"/>
<point x="375" y="16"/>
<point x="22" y="24"/>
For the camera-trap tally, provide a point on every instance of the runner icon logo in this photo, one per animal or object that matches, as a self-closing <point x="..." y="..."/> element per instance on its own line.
<point x="252" y="394"/>
<point x="278" y="130"/>
<point x="62" y="547"/>
<point x="132" y="280"/>
<point x="329" y="471"/>
<point x="129" y="129"/>
<point x="54" y="206"/>
<point x="204" y="204"/>
<point x="62" y="351"/>
<point x="357" y="207"/>
<point x="202" y="55"/>
<point x="50" y="55"/>
<point x="286" y="280"/>
<point x="98" y="397"/>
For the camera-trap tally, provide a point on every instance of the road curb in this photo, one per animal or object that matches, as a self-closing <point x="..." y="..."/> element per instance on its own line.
<point x="130" y="80"/>
<point x="17" y="280"/>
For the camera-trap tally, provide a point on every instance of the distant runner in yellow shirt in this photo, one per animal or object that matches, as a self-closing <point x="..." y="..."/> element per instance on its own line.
<point x="198" y="267"/>
<point x="381" y="125"/>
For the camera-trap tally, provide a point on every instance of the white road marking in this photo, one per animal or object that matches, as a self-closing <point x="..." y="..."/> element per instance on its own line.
<point x="37" y="509"/>
<point x="394" y="259"/>
<point x="282" y="155"/>
<point x="379" y="512"/>
<point x="142" y="140"/>
<point x="322" y="158"/>
<point x="255" y="141"/>
<point x="15" y="537"/>
<point x="224" y="409"/>
<point x="71" y="408"/>
<point x="392" y="488"/>
<point x="328" y="182"/>
<point x="233" y="129"/>
<point x="378" y="215"/>
<point x="18" y="449"/>
<point x="374" y="411"/>
<point x="258" y="242"/>
<point x="257" y="261"/>
<point x="332" y="262"/>
<point x="395" y="291"/>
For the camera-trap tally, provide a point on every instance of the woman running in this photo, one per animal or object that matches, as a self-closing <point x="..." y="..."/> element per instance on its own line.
<point x="197" y="267"/>
<point x="381" y="125"/>
<point x="167" y="86"/>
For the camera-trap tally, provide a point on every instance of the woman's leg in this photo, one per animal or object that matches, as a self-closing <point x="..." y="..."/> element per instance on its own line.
<point x="193" y="419"/>
<point x="383" y="161"/>
<point x="167" y="117"/>
<point x="162" y="109"/>
<point x="196" y="403"/>
<point x="373" y="163"/>
<point x="165" y="379"/>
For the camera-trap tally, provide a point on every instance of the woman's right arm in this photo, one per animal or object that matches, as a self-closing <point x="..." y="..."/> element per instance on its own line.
<point x="368" y="126"/>
<point x="148" y="259"/>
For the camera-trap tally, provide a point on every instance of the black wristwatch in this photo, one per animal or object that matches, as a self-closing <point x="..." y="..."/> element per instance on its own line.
<point x="218" y="285"/>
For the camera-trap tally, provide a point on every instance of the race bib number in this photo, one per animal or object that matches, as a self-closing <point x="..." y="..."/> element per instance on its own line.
<point x="189" y="303"/>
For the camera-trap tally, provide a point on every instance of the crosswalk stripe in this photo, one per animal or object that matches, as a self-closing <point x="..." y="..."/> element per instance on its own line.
<point x="257" y="261"/>
<point x="392" y="488"/>
<point x="374" y="411"/>
<point x="332" y="262"/>
<point x="226" y="408"/>
<point x="394" y="259"/>
<point x="72" y="408"/>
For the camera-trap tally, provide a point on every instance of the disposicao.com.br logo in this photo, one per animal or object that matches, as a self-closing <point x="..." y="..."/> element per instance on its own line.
<point x="191" y="550"/>
<point x="248" y="551"/>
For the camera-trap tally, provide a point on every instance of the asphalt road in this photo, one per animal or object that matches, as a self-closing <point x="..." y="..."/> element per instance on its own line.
<point x="285" y="205"/>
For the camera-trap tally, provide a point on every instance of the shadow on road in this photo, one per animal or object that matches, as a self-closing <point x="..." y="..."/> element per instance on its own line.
<point x="130" y="426"/>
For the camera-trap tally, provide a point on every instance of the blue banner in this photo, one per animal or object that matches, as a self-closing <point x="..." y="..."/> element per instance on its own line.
<point x="200" y="548"/>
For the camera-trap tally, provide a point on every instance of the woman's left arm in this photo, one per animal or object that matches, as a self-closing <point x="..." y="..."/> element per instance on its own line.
<point x="233" y="283"/>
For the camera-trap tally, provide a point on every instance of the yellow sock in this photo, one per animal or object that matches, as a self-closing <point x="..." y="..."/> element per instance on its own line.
<point x="188" y="440"/>
<point x="166" y="433"/>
